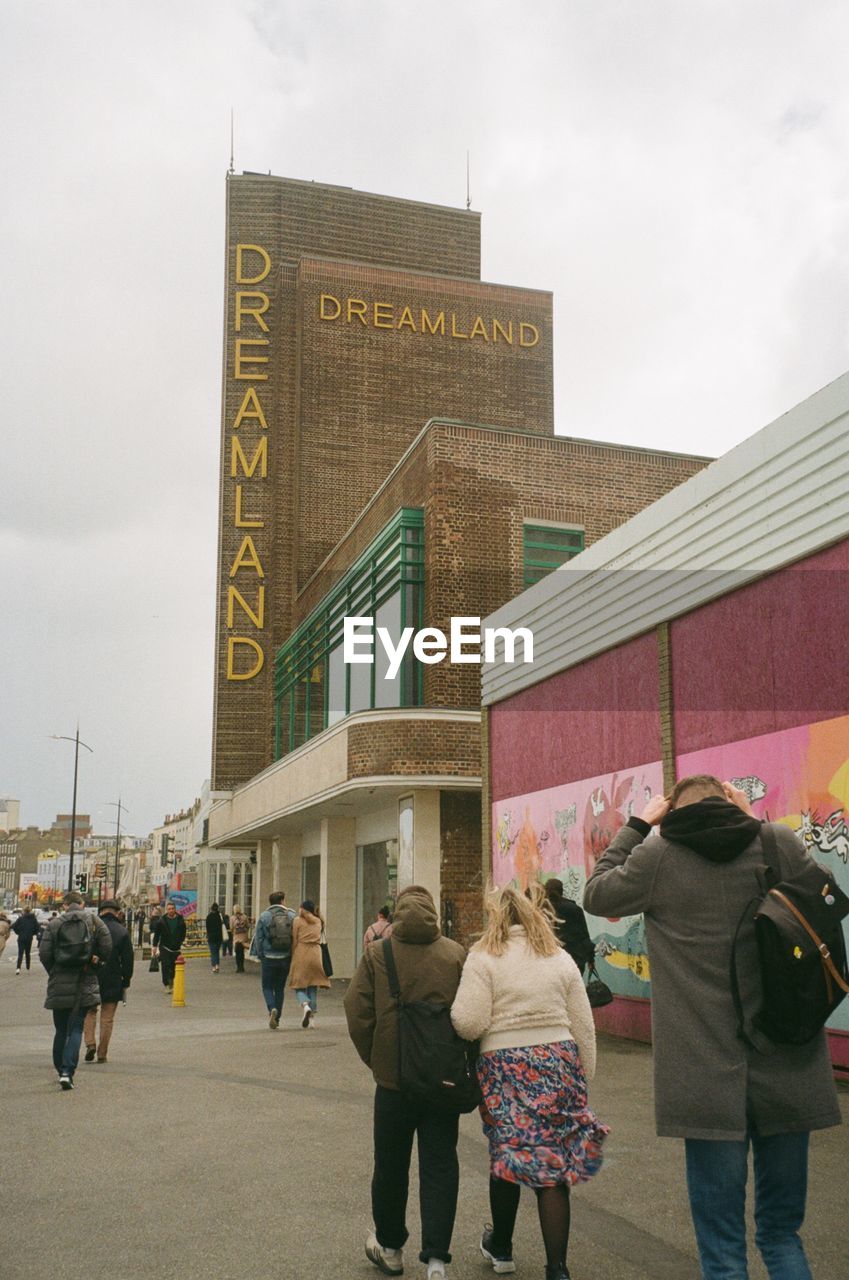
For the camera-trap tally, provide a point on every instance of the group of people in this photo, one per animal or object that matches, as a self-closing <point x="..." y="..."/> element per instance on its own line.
<point x="227" y="935"/>
<point x="288" y="946"/>
<point x="89" y="963"/>
<point x="520" y="995"/>
<point x="519" y="998"/>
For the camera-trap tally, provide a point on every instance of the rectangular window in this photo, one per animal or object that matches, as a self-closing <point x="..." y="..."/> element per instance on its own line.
<point x="313" y="688"/>
<point x="548" y="546"/>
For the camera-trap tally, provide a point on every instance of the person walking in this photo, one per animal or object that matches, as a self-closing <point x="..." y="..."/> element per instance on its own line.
<point x="226" y="935"/>
<point x="5" y="931"/>
<point x="26" y="927"/>
<point x="379" y="928"/>
<point x="429" y="968"/>
<point x="241" y="932"/>
<point x="570" y="925"/>
<point x="273" y="943"/>
<point x="523" y="997"/>
<point x="113" y="979"/>
<point x="721" y="1092"/>
<point x="72" y="948"/>
<point x="138" y="923"/>
<point x="307" y="972"/>
<point x="214" y="935"/>
<point x="167" y="940"/>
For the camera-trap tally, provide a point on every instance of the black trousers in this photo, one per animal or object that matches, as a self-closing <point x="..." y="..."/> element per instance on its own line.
<point x="167" y="961"/>
<point x="397" y="1120"/>
<point x="24" y="949"/>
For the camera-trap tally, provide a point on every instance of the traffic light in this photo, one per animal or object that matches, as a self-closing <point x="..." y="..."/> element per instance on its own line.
<point x="165" y="842"/>
<point x="81" y="880"/>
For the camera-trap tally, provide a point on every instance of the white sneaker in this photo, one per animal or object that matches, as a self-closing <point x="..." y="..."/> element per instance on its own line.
<point x="66" y="1082"/>
<point x="305" y="1020"/>
<point x="436" y="1267"/>
<point x="389" y="1261"/>
<point x="17" y="971"/>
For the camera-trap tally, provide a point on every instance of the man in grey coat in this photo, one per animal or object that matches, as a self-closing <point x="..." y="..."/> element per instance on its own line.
<point x="693" y="882"/>
<point x="71" y="989"/>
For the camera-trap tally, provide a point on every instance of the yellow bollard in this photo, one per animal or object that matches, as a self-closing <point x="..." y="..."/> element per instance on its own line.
<point x="178" y="999"/>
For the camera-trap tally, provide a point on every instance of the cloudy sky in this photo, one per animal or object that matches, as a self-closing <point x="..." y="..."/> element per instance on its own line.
<point x="676" y="171"/>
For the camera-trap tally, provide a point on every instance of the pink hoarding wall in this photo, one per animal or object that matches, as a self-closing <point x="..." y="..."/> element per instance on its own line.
<point x="595" y="718"/>
<point x="760" y="695"/>
<point x="767" y="657"/>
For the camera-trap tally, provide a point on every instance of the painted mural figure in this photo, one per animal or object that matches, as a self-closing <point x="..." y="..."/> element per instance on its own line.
<point x="693" y="881"/>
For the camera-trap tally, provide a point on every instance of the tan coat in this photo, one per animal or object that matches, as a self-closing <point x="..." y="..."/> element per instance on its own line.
<point x="5" y="930"/>
<point x="240" y="928"/>
<point x="307" y="969"/>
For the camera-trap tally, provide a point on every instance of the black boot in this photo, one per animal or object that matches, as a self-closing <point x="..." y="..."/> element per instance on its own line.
<point x="557" y="1272"/>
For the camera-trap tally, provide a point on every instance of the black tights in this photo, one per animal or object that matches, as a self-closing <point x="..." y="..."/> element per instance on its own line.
<point x="554" y="1217"/>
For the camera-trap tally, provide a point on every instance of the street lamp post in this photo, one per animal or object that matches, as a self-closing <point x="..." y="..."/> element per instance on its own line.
<point x="117" y="806"/>
<point x="60" y="737"/>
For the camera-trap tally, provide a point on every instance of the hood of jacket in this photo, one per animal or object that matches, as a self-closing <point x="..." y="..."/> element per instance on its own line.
<point x="415" y="919"/>
<point x="714" y="828"/>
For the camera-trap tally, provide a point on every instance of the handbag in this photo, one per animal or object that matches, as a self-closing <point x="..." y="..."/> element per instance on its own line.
<point x="326" y="962"/>
<point x="598" y="992"/>
<point x="225" y="933"/>
<point x="153" y="967"/>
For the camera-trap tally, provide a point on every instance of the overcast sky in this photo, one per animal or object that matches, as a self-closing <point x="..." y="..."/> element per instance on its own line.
<point x="676" y="171"/>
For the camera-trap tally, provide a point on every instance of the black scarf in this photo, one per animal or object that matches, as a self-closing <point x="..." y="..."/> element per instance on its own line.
<point x="715" y="829"/>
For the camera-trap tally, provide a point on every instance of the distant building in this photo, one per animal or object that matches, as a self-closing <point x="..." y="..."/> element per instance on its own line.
<point x="388" y="451"/>
<point x="10" y="814"/>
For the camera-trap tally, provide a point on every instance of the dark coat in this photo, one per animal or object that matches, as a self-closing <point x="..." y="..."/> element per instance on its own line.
<point x="26" y="926"/>
<point x="67" y="987"/>
<point x="116" y="974"/>
<point x="429" y="968"/>
<point x="708" y="1083"/>
<point x="169" y="933"/>
<point x="214" y="927"/>
<point x="572" y="932"/>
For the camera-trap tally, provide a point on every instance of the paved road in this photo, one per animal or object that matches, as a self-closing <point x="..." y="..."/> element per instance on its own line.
<point x="210" y="1146"/>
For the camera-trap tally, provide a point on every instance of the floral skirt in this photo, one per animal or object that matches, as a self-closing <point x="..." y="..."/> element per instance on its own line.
<point x="535" y="1115"/>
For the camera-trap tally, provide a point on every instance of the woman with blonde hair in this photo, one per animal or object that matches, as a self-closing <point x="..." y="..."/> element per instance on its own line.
<point x="307" y="972"/>
<point x="522" y="996"/>
<point x="241" y="934"/>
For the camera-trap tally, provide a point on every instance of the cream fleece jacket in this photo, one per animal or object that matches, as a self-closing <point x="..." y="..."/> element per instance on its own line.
<point x="521" y="998"/>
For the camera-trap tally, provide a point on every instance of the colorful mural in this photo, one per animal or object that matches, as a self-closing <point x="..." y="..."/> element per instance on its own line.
<point x="797" y="776"/>
<point x="563" y="831"/>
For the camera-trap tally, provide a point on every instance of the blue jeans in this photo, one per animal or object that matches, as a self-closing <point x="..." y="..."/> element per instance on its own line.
<point x="273" y="980"/>
<point x="214" y="954"/>
<point x="66" y="1041"/>
<point x="716" y="1181"/>
<point x="308" y="995"/>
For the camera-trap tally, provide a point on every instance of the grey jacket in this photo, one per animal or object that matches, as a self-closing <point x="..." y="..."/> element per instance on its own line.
<point x="64" y="984"/>
<point x="708" y="1083"/>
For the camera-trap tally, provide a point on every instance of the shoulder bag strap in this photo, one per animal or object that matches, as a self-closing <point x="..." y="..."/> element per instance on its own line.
<point x="769" y="847"/>
<point x="391" y="971"/>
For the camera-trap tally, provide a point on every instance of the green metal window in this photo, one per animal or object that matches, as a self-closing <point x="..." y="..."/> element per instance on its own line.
<point x="546" y="547"/>
<point x="313" y="687"/>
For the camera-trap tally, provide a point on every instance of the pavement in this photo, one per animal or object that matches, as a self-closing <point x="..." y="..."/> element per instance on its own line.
<point x="209" y="1145"/>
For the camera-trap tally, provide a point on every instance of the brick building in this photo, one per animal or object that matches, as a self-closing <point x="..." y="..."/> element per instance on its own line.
<point x="362" y="351"/>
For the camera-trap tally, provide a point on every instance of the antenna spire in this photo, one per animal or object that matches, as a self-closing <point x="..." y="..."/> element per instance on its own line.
<point x="468" y="187"/>
<point x="231" y="170"/>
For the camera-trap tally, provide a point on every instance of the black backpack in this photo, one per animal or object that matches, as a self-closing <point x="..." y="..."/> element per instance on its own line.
<point x="434" y="1065"/>
<point x="73" y="944"/>
<point x="801" y="950"/>
<point x="280" y="930"/>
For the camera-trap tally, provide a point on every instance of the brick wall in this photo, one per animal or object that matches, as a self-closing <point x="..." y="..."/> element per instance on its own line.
<point x="366" y="390"/>
<point x="461" y="875"/>
<point x="411" y="747"/>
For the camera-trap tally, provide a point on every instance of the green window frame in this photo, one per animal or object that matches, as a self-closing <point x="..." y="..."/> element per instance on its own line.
<point x="389" y="575"/>
<point x="546" y="546"/>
